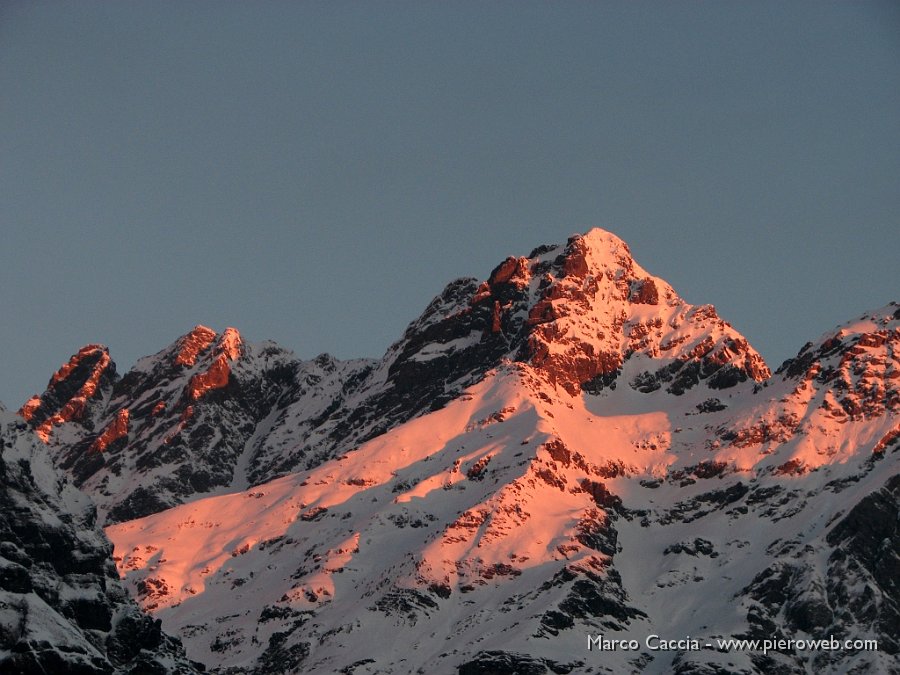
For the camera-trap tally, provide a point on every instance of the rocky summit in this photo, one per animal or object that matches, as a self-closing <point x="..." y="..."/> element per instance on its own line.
<point x="564" y="450"/>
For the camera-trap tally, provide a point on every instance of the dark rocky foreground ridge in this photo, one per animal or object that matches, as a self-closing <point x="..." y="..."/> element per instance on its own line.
<point x="567" y="443"/>
<point x="63" y="609"/>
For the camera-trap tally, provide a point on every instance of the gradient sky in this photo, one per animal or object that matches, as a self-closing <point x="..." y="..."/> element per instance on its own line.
<point x="314" y="173"/>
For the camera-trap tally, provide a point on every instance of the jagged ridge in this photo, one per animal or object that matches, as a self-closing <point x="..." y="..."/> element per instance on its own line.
<point x="211" y="412"/>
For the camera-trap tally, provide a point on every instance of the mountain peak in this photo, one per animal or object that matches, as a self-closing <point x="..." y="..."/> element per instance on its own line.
<point x="598" y="308"/>
<point x="83" y="378"/>
<point x="192" y="344"/>
<point x="230" y="344"/>
<point x="577" y="313"/>
<point x="602" y="247"/>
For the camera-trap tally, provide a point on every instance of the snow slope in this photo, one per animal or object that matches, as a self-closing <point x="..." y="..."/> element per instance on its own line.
<point x="506" y="526"/>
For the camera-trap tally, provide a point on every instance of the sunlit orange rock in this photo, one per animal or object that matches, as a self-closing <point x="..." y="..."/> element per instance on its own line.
<point x="74" y="407"/>
<point x="482" y="293"/>
<point x="116" y="429"/>
<point x="31" y="405"/>
<point x="75" y="361"/>
<point x="890" y="438"/>
<point x="214" y="378"/>
<point x="230" y="344"/>
<point x="192" y="344"/>
<point x="576" y="264"/>
<point x="43" y="429"/>
<point x="495" y="320"/>
<point x="511" y="271"/>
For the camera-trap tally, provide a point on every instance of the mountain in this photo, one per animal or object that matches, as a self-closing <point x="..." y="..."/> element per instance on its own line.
<point x="565" y="449"/>
<point x="211" y="412"/>
<point x="63" y="609"/>
<point x="190" y="419"/>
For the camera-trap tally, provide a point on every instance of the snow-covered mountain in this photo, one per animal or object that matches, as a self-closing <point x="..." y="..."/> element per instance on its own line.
<point x="567" y="449"/>
<point x="211" y="412"/>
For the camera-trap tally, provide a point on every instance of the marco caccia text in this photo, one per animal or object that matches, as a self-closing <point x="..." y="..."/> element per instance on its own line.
<point x="654" y="643"/>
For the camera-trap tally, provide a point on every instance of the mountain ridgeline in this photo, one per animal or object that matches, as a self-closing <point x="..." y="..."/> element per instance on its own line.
<point x="211" y="411"/>
<point x="566" y="448"/>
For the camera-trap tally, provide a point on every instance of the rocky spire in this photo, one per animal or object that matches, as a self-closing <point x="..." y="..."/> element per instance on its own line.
<point x="78" y="385"/>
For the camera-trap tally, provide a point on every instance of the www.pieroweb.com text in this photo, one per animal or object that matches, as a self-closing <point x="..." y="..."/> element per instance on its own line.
<point x="654" y="642"/>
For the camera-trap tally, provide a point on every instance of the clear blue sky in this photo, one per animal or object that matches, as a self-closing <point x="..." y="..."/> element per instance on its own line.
<point x="314" y="173"/>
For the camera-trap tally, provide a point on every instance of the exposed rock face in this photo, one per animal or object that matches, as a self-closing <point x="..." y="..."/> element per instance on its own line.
<point x="75" y="391"/>
<point x="216" y="377"/>
<point x="191" y="345"/>
<point x="117" y="429"/>
<point x="578" y="313"/>
<point x="858" y="363"/>
<point x="865" y="552"/>
<point x="62" y="607"/>
<point x="855" y="593"/>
